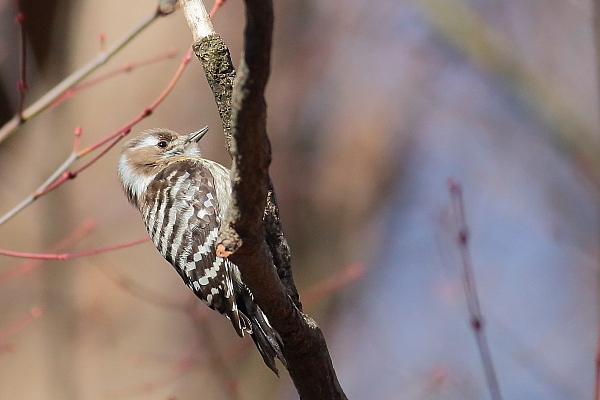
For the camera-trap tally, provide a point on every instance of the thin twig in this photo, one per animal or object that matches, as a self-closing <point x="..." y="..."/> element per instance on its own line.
<point x="166" y="7"/>
<point x="30" y="199"/>
<point x="125" y="68"/>
<point x="73" y="79"/>
<point x="68" y="256"/>
<point x="476" y="317"/>
<point x="28" y="266"/>
<point x="145" y="112"/>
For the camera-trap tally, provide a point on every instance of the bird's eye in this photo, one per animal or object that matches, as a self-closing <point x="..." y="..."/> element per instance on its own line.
<point x="162" y="144"/>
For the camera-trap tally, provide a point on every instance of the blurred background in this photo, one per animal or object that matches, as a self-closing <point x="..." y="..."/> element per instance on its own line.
<point x="373" y="106"/>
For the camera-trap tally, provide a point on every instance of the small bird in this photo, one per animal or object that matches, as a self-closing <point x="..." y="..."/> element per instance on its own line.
<point x="182" y="198"/>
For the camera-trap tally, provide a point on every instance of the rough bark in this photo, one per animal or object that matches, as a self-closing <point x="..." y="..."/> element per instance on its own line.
<point x="252" y="235"/>
<point x="220" y="74"/>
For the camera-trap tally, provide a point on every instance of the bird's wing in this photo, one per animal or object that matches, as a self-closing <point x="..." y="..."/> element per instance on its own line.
<point x="185" y="191"/>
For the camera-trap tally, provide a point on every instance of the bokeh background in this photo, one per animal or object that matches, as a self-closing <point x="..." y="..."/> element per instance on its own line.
<point x="373" y="106"/>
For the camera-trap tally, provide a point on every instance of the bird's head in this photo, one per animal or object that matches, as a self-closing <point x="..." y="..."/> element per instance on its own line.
<point x="145" y="155"/>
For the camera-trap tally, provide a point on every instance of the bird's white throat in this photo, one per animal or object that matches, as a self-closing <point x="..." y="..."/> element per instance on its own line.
<point x="134" y="184"/>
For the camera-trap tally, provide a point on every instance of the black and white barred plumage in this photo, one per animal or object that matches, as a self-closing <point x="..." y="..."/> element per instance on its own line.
<point x="182" y="198"/>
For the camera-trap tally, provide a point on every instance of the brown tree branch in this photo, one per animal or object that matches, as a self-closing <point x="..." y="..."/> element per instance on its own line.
<point x="280" y="249"/>
<point x="212" y="51"/>
<point x="243" y="234"/>
<point x="218" y="69"/>
<point x="472" y="298"/>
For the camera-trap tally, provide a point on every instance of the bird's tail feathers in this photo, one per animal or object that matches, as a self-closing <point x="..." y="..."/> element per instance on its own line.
<point x="267" y="340"/>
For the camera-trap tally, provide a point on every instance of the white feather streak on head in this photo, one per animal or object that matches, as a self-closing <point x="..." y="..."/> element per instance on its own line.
<point x="147" y="141"/>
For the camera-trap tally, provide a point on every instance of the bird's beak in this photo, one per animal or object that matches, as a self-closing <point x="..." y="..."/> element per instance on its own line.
<point x="196" y="136"/>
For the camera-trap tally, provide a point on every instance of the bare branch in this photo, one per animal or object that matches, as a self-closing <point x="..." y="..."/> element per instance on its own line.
<point x="243" y="233"/>
<point x="251" y="143"/>
<point x="31" y="264"/>
<point x="125" y="68"/>
<point x="220" y="74"/>
<point x="280" y="249"/>
<point x="68" y="256"/>
<point x="477" y="322"/>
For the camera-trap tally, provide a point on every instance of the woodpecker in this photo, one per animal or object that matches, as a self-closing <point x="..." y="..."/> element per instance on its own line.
<point x="182" y="198"/>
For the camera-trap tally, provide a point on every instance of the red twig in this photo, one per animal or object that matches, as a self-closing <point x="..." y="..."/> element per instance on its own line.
<point x="472" y="298"/>
<point x="68" y="256"/>
<point x="125" y="68"/>
<point x="28" y="266"/>
<point x="115" y="137"/>
<point x="125" y="129"/>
